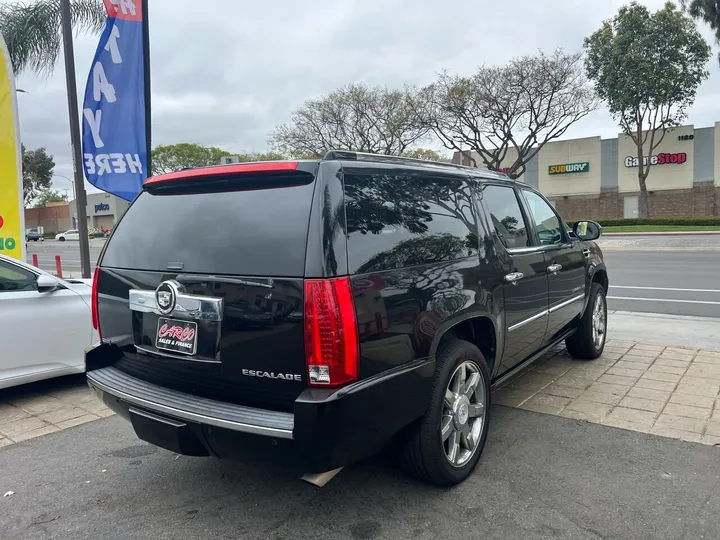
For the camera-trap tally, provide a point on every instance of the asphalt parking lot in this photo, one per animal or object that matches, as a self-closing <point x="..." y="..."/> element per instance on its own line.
<point x="540" y="477"/>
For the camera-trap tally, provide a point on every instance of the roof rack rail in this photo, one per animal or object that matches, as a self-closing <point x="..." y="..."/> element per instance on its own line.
<point x="385" y="158"/>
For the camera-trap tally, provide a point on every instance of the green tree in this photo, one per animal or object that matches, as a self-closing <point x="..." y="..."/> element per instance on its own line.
<point x="175" y="157"/>
<point x="48" y="196"/>
<point x="355" y="117"/>
<point x="647" y="67"/>
<point x="426" y="154"/>
<point x="38" y="167"/>
<point x="32" y="30"/>
<point x="707" y="11"/>
<point x="508" y="110"/>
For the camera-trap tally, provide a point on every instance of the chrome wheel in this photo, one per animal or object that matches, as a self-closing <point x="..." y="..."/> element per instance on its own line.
<point x="598" y="321"/>
<point x="463" y="415"/>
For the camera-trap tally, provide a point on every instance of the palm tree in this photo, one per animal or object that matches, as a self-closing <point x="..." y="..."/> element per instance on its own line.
<point x="32" y="30"/>
<point x="707" y="11"/>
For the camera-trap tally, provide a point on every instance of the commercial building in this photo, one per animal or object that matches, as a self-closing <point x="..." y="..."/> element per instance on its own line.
<point x="53" y="217"/>
<point x="103" y="210"/>
<point x="596" y="178"/>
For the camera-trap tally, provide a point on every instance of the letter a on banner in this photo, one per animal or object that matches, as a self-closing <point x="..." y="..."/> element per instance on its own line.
<point x="12" y="214"/>
<point x="114" y="136"/>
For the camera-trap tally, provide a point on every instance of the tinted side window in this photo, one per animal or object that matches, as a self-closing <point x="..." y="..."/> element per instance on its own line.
<point x="503" y="206"/>
<point x="15" y="279"/>
<point x="546" y="222"/>
<point x="397" y="220"/>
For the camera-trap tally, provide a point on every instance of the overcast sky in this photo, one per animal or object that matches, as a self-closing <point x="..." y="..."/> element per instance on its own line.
<point x="226" y="74"/>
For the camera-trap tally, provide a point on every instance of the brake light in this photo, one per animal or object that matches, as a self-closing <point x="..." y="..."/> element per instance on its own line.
<point x="331" y="337"/>
<point x="225" y="170"/>
<point x="94" y="302"/>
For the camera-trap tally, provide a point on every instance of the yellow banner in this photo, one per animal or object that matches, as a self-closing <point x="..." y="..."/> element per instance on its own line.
<point x="12" y="213"/>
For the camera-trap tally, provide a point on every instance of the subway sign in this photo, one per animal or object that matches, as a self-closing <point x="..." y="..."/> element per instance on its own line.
<point x="659" y="159"/>
<point x="568" y="168"/>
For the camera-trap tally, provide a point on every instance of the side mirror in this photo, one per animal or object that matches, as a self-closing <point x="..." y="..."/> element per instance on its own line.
<point x="587" y="230"/>
<point x="46" y="283"/>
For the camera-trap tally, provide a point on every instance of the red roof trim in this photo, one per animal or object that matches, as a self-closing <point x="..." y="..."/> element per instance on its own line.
<point x="224" y="170"/>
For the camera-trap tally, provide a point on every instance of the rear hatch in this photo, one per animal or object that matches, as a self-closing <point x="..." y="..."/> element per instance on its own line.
<point x="201" y="285"/>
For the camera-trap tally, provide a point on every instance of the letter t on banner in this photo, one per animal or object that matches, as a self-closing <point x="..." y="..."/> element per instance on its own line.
<point x="116" y="108"/>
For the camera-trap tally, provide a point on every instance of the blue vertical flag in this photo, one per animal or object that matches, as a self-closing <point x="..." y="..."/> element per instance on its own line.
<point x="115" y="154"/>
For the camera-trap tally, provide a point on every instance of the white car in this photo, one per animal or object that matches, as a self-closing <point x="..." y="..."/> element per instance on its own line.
<point x="72" y="234"/>
<point x="45" y="324"/>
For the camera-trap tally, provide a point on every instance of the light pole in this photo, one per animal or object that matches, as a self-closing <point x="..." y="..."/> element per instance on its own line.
<point x="72" y="183"/>
<point x="75" y="141"/>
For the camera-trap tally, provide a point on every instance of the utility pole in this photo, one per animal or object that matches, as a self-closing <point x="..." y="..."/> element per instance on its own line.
<point x="75" y="141"/>
<point x="146" y="77"/>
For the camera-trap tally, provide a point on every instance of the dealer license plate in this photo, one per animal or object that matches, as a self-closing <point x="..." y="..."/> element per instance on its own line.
<point x="176" y="336"/>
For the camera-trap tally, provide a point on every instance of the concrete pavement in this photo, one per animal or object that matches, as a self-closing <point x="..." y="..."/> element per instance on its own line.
<point x="667" y="391"/>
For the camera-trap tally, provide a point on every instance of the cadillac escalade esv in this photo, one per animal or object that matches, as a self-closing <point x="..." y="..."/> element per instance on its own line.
<point x="317" y="312"/>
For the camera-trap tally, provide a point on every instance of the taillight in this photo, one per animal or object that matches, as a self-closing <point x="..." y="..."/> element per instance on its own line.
<point x="331" y="337"/>
<point x="95" y="319"/>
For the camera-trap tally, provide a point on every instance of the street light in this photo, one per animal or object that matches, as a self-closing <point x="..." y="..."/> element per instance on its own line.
<point x="69" y="180"/>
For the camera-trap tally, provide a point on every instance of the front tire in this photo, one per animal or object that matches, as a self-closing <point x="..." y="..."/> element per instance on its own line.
<point x="444" y="446"/>
<point x="61" y="239"/>
<point x="588" y="342"/>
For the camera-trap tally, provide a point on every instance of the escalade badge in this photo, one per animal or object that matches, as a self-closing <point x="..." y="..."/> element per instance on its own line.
<point x="272" y="375"/>
<point x="166" y="296"/>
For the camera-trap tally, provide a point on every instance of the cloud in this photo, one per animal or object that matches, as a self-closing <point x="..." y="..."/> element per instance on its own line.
<point x="228" y="73"/>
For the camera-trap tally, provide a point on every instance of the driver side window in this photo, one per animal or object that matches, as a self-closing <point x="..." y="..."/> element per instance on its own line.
<point x="16" y="279"/>
<point x="546" y="221"/>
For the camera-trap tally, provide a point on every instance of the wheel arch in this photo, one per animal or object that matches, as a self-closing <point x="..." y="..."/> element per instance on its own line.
<point x="480" y="330"/>
<point x="601" y="276"/>
<point x="597" y="275"/>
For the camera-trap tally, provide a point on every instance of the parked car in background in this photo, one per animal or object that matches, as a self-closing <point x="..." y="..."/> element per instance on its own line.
<point x="415" y="288"/>
<point x="34" y="235"/>
<point x="72" y="234"/>
<point x="45" y="324"/>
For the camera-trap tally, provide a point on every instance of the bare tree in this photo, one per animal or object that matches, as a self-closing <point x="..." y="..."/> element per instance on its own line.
<point x="354" y="117"/>
<point x="520" y="106"/>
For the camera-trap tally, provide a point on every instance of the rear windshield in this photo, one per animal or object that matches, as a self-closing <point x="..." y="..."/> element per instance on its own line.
<point x="220" y="229"/>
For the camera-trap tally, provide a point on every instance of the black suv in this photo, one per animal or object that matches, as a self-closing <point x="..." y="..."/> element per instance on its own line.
<point x="317" y="312"/>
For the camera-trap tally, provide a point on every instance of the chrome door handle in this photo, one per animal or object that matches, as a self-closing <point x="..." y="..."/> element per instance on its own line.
<point x="586" y="253"/>
<point x="554" y="268"/>
<point x="513" y="277"/>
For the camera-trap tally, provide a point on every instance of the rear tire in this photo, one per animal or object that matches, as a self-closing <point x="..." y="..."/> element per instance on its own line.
<point x="444" y="446"/>
<point x="588" y="342"/>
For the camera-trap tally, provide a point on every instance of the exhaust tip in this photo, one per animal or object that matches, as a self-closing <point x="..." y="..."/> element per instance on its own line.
<point x="319" y="480"/>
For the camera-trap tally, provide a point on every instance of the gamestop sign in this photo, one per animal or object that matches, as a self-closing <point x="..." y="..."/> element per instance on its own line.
<point x="659" y="159"/>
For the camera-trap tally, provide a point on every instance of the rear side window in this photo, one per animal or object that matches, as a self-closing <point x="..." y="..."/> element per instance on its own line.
<point x="503" y="206"/>
<point x="217" y="227"/>
<point x="398" y="220"/>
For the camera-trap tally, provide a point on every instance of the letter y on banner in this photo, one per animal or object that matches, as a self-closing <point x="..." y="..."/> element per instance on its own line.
<point x="114" y="135"/>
